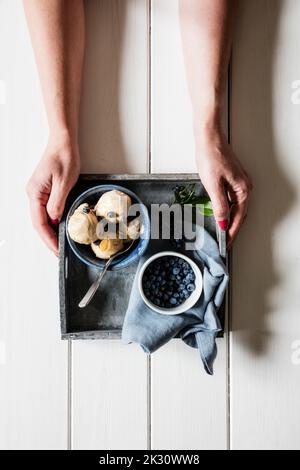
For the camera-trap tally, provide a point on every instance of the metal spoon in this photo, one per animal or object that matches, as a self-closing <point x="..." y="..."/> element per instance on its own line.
<point x="94" y="287"/>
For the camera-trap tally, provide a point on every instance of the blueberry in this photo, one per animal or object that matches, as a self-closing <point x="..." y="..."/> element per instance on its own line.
<point x="185" y="292"/>
<point x="181" y="287"/>
<point x="173" y="301"/>
<point x="190" y="276"/>
<point x="152" y="277"/>
<point x="176" y="295"/>
<point x="165" y="297"/>
<point x="157" y="301"/>
<point x="190" y="287"/>
<point x="172" y="261"/>
<point x="175" y="271"/>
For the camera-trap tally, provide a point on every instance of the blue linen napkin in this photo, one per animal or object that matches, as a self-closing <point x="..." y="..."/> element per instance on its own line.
<point x="199" y="326"/>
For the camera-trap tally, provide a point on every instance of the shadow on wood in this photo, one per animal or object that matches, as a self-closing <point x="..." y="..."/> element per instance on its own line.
<point x="113" y="122"/>
<point x="255" y="275"/>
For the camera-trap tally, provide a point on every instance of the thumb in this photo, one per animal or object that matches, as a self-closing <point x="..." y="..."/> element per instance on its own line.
<point x="56" y="201"/>
<point x="220" y="206"/>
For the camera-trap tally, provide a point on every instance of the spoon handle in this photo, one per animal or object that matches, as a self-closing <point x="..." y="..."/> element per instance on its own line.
<point x="94" y="287"/>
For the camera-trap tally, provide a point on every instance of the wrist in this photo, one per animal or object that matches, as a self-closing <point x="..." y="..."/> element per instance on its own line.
<point x="64" y="142"/>
<point x="208" y="132"/>
<point x="63" y="133"/>
<point x="208" y="120"/>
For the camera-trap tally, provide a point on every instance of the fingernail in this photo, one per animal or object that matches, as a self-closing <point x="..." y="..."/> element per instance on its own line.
<point x="54" y="221"/>
<point x="223" y="224"/>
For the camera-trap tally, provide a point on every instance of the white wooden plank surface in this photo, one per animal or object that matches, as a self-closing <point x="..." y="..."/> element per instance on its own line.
<point x="172" y="144"/>
<point x="265" y="318"/>
<point x="113" y="125"/>
<point x="109" y="396"/>
<point x="33" y="361"/>
<point x="188" y="407"/>
<point x="109" y="378"/>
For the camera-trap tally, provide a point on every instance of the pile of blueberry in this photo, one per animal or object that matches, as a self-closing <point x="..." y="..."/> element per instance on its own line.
<point x="168" y="281"/>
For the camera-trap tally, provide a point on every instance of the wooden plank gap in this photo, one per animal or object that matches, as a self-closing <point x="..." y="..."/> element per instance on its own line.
<point x="229" y="291"/>
<point x="149" y="371"/>
<point x="149" y="60"/>
<point x="149" y="403"/>
<point x="70" y="396"/>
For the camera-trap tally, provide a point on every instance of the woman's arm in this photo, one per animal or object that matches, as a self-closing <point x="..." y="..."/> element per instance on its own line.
<point x="206" y="33"/>
<point x="57" y="32"/>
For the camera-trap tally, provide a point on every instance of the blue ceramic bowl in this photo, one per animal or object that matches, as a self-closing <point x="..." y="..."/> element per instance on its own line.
<point x="85" y="253"/>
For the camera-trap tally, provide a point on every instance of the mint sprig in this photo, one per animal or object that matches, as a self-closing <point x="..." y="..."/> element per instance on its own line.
<point x="186" y="194"/>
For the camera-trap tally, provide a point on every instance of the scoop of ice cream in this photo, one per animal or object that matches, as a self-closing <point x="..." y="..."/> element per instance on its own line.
<point x="134" y="228"/>
<point x="82" y="225"/>
<point x="104" y="249"/>
<point x="113" y="206"/>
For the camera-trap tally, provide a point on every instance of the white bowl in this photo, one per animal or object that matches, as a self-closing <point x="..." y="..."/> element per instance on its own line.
<point x="188" y="303"/>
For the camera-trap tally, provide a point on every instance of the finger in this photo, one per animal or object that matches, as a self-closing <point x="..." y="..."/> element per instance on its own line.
<point x="40" y="223"/>
<point x="57" y="200"/>
<point x="237" y="217"/>
<point x="220" y="206"/>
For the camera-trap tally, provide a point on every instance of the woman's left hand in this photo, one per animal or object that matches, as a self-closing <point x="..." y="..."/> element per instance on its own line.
<point x="226" y="181"/>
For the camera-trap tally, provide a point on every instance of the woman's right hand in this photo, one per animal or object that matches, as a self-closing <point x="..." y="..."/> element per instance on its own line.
<point x="49" y="186"/>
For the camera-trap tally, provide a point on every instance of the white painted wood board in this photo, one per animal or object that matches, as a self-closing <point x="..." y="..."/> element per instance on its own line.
<point x="109" y="386"/>
<point x="114" y="110"/>
<point x="172" y="143"/>
<point x="265" y="408"/>
<point x="189" y="408"/>
<point x="33" y="360"/>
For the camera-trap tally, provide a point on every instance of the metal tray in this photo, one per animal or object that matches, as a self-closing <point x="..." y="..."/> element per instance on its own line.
<point x="103" y="317"/>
